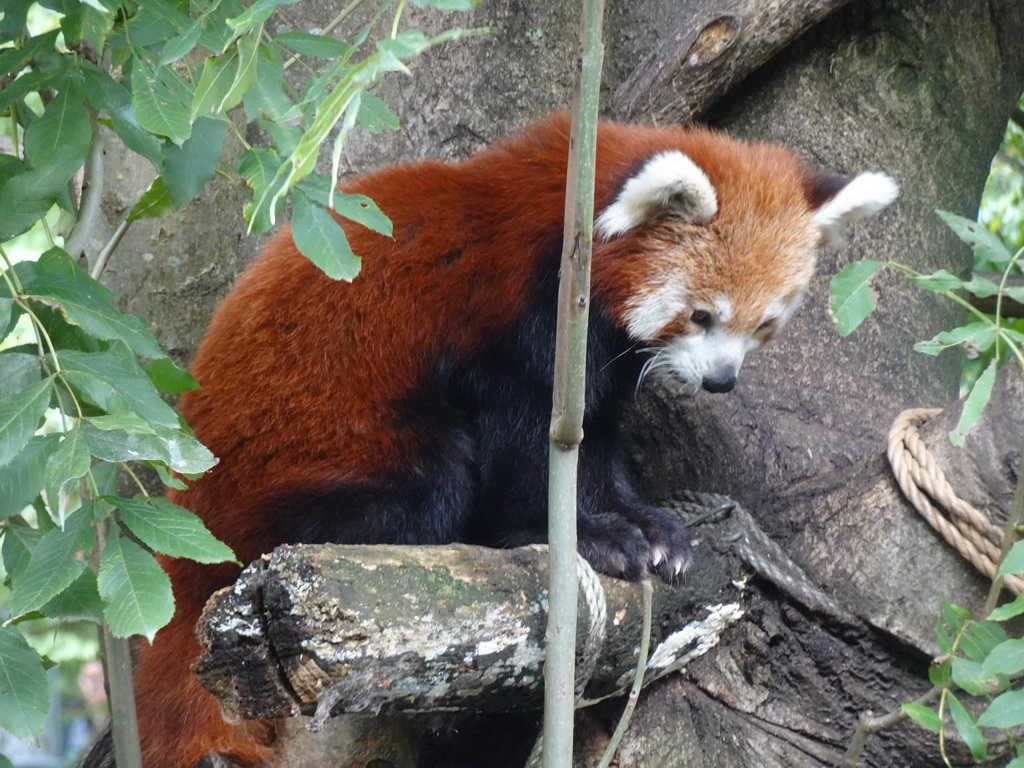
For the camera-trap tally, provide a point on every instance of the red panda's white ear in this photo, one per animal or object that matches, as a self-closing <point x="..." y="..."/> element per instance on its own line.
<point x="669" y="184"/>
<point x="838" y="204"/>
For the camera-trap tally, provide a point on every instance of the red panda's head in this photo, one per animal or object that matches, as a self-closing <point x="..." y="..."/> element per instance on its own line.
<point x="706" y="250"/>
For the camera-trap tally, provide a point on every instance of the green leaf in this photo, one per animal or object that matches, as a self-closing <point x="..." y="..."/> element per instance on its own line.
<point x="852" y="300"/>
<point x="375" y="116"/>
<point x="362" y="210"/>
<point x="104" y="476"/>
<point x="939" y="282"/>
<point x="18" y="371"/>
<point x="1016" y="763"/>
<point x="56" y="280"/>
<point x="175" y="448"/>
<point x="259" y="167"/>
<point x="22" y="479"/>
<point x="8" y="317"/>
<point x="967" y="727"/>
<point x="321" y="240"/>
<point x="970" y="677"/>
<point x="923" y="716"/>
<point x="1007" y="658"/>
<point x="403" y="46"/>
<point x="169" y="480"/>
<point x="15" y="15"/>
<point x="114" y="381"/>
<point x="13" y="58"/>
<point x="161" y="100"/>
<point x="981" y="286"/>
<point x="80" y="601"/>
<point x="59" y="140"/>
<point x="215" y="81"/>
<point x="186" y="169"/>
<point x="954" y="616"/>
<point x="70" y="461"/>
<point x="1005" y="711"/>
<point x="1014" y="561"/>
<point x="20" y="415"/>
<point x="126" y="422"/>
<point x="975" y="338"/>
<point x="86" y="23"/>
<point x="979" y="638"/>
<point x="24" y="200"/>
<point x="28" y="83"/>
<point x="974" y="404"/>
<point x="939" y="673"/>
<point x="135" y="590"/>
<point x="171" y="530"/>
<point x="1009" y="610"/>
<point x="358" y="208"/>
<point x="267" y="98"/>
<point x="24" y="689"/>
<point x="53" y="565"/>
<point x="256" y="14"/>
<point x="245" y="76"/>
<point x="168" y="377"/>
<point x="19" y="541"/>
<point x="315" y="46"/>
<point x="155" y="202"/>
<point x="986" y="245"/>
<point x="155" y="22"/>
<point x="180" y="44"/>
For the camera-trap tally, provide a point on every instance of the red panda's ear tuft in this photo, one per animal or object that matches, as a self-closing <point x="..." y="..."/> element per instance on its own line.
<point x="837" y="201"/>
<point x="669" y="184"/>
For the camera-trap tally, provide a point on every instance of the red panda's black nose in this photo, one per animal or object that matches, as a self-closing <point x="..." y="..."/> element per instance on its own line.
<point x="720" y="381"/>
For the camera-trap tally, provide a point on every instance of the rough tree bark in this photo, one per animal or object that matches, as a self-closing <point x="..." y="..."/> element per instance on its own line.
<point x="918" y="88"/>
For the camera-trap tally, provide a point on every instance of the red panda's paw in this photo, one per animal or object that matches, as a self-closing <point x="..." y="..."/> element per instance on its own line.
<point x="670" y="541"/>
<point x="618" y="547"/>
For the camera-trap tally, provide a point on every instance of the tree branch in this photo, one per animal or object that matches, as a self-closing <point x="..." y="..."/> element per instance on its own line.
<point x="325" y="630"/>
<point x="710" y="53"/>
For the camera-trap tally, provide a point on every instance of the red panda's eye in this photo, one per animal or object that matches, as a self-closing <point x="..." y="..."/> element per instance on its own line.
<point x="701" y="317"/>
<point x="766" y="326"/>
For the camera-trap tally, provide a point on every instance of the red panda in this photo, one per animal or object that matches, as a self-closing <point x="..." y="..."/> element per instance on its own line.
<point x="412" y="405"/>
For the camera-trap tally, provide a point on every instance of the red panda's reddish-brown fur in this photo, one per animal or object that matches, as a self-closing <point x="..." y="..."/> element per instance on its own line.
<point x="301" y="375"/>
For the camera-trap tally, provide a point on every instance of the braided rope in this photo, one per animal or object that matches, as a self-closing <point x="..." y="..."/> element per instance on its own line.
<point x="594" y="596"/>
<point x="597" y="612"/>
<point x="966" y="529"/>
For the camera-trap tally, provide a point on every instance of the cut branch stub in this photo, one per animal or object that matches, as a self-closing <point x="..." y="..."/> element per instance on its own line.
<point x="325" y="630"/>
<point x="710" y="53"/>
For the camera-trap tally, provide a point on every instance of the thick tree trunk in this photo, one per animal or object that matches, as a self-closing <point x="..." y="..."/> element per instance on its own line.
<point x="918" y="88"/>
<point x="771" y="666"/>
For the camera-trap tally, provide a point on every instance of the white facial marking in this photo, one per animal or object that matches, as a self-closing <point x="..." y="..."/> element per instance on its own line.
<point x="692" y="358"/>
<point x="864" y="196"/>
<point x="648" y="313"/>
<point x="723" y="309"/>
<point x="778" y="310"/>
<point x="668" y="182"/>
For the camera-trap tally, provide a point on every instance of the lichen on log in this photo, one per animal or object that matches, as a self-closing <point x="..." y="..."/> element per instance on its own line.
<point x="325" y="630"/>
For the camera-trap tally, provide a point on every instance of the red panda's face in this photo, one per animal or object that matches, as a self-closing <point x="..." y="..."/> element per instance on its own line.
<point x="703" y="267"/>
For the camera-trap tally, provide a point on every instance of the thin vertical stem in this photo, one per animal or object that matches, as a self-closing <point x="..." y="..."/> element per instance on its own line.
<point x="117" y="665"/>
<point x="569" y="399"/>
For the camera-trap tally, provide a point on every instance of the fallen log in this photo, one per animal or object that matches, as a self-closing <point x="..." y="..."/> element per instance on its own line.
<point x="325" y="630"/>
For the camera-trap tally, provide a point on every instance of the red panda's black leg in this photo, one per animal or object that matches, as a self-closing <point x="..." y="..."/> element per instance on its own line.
<point x="606" y="491"/>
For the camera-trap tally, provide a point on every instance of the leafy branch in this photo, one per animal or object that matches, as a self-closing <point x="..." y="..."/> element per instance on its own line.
<point x="80" y="380"/>
<point x="978" y="658"/>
